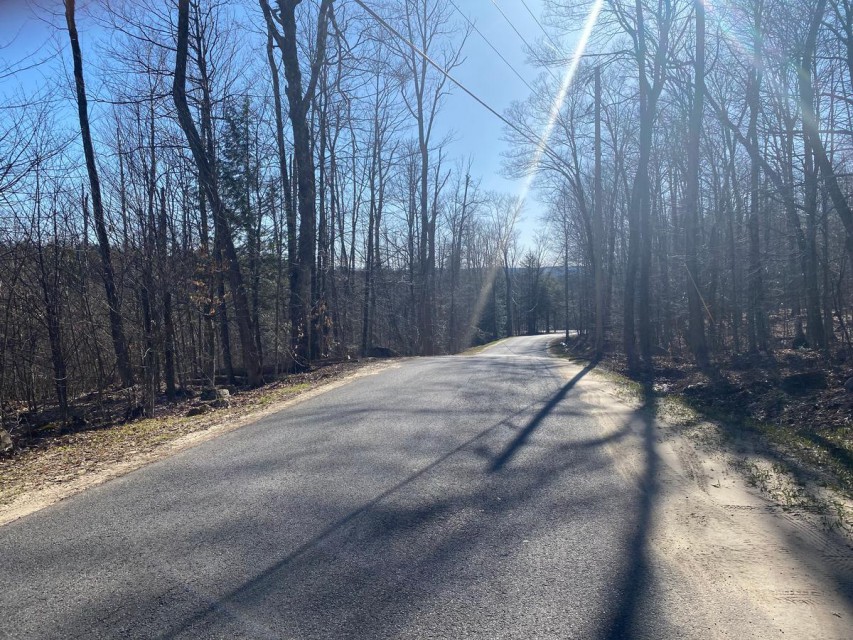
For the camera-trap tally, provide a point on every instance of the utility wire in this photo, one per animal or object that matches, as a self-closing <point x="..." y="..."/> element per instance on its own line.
<point x="524" y="134"/>
<point x="511" y="24"/>
<point x="541" y="27"/>
<point x="518" y="33"/>
<point x="488" y="42"/>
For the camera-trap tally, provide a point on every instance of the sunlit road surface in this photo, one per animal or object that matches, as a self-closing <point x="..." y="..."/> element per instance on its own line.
<point x="453" y="497"/>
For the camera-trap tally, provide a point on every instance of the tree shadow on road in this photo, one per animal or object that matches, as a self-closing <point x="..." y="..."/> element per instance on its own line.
<point x="531" y="426"/>
<point x="637" y="580"/>
<point x="371" y="570"/>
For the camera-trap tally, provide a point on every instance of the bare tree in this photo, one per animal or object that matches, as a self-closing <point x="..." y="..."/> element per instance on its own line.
<point x="283" y="27"/>
<point x="116" y="323"/>
<point x="209" y="183"/>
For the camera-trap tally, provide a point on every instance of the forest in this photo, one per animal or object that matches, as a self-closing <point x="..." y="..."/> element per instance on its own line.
<point x="263" y="191"/>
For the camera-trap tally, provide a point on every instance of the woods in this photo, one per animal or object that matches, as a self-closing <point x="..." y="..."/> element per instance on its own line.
<point x="245" y="211"/>
<point x="722" y="133"/>
<point x="252" y="189"/>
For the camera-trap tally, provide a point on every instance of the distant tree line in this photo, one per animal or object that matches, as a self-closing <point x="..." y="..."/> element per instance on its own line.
<point x="699" y="173"/>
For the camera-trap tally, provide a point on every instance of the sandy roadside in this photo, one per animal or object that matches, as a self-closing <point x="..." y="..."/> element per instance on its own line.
<point x="755" y="568"/>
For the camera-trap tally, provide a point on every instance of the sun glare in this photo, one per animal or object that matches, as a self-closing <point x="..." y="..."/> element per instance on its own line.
<point x="554" y="113"/>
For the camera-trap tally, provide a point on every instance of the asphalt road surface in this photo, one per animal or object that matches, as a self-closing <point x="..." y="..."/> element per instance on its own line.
<point x="453" y="497"/>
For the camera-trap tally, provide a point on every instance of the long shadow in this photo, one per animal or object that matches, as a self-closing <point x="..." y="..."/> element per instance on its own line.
<point x="387" y="524"/>
<point x="637" y="580"/>
<point x="327" y="580"/>
<point x="737" y="427"/>
<point x="839" y="454"/>
<point x="219" y="605"/>
<point x="521" y="439"/>
<point x="635" y="611"/>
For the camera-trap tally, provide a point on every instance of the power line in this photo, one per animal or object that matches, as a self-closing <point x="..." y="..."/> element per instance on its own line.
<point x="486" y="40"/>
<point x="518" y="33"/>
<point x="541" y="27"/>
<point x="511" y="24"/>
<point x="524" y="134"/>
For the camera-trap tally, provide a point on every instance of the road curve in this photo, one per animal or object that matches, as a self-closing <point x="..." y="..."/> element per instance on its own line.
<point x="451" y="497"/>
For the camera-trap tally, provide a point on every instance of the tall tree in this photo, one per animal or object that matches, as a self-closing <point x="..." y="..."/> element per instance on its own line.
<point x="116" y="323"/>
<point x="283" y="27"/>
<point x="425" y="25"/>
<point x="696" y="321"/>
<point x="208" y="180"/>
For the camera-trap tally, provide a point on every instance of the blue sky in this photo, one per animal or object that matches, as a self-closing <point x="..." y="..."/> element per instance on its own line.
<point x="475" y="131"/>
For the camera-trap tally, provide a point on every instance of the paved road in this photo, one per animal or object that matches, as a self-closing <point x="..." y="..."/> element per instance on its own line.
<point x="453" y="497"/>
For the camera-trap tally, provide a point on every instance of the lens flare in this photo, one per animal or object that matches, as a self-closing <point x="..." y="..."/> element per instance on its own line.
<point x="554" y="113"/>
<point x="480" y="305"/>
<point x="560" y="98"/>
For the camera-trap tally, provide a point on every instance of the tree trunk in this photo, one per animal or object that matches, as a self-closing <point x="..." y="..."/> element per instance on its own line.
<point x="210" y="274"/>
<point x="366" y="334"/>
<point x="168" y="321"/>
<point x="116" y="324"/>
<point x="222" y="312"/>
<point x="299" y="103"/>
<point x="811" y="138"/>
<point x="207" y="177"/>
<point x="756" y="319"/>
<point x="696" y="321"/>
<point x="286" y="187"/>
<point x="597" y="257"/>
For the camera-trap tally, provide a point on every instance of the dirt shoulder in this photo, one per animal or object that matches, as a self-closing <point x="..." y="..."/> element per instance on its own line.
<point x="763" y="564"/>
<point x="61" y="466"/>
<point x="785" y="424"/>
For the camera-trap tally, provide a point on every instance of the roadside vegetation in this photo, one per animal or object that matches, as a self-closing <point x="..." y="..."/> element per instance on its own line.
<point x="54" y="456"/>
